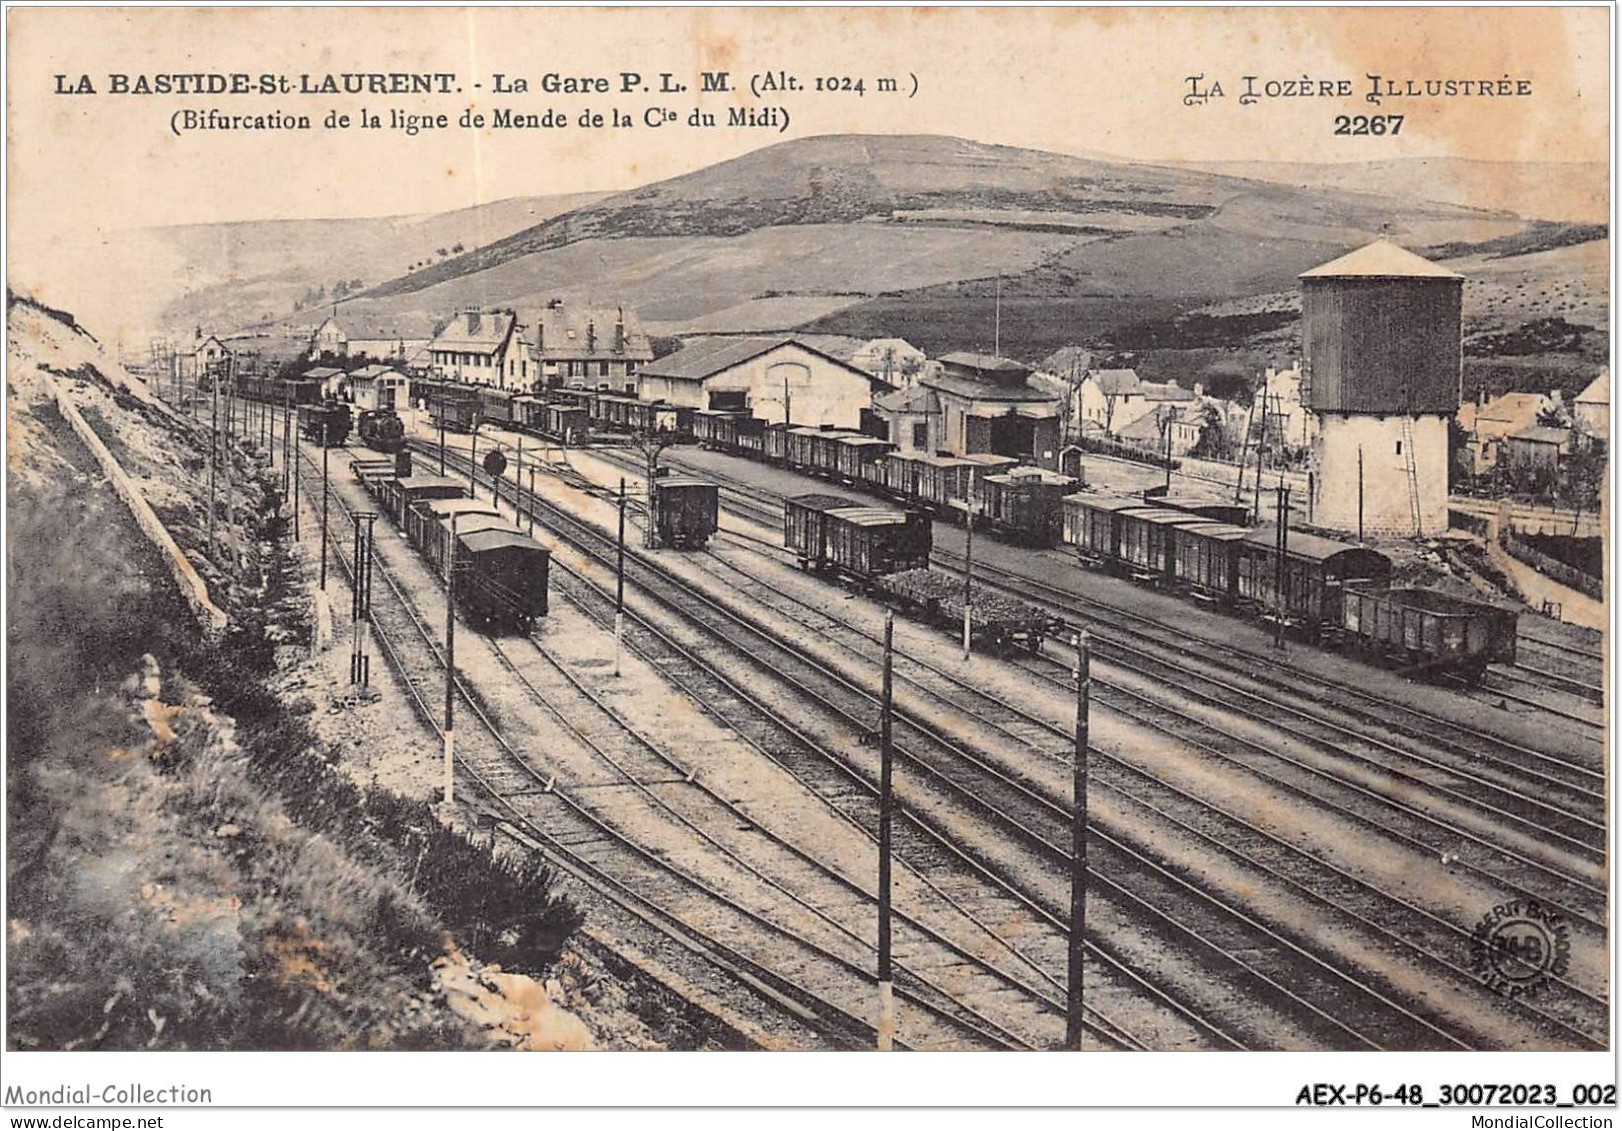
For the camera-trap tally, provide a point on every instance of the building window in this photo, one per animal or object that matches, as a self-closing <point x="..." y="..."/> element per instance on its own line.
<point x="602" y="369"/>
<point x="920" y="435"/>
<point x="1399" y="447"/>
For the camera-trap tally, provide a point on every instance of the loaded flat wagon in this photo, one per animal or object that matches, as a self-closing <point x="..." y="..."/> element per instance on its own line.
<point x="399" y="494"/>
<point x="686" y="511"/>
<point x="1027" y="504"/>
<point x="426" y="513"/>
<point x="1428" y="629"/>
<point x="502" y="583"/>
<point x="998" y="623"/>
<point x="859" y="541"/>
<point x="1317" y="573"/>
<point x="1206" y="562"/>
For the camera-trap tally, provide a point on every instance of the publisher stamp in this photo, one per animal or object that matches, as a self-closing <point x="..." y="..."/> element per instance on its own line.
<point x="1517" y="947"/>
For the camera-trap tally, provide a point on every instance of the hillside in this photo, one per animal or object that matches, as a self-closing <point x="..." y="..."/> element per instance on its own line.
<point x="1575" y="192"/>
<point x="846" y="233"/>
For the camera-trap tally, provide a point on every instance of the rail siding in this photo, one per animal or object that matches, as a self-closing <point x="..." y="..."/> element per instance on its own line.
<point x="192" y="587"/>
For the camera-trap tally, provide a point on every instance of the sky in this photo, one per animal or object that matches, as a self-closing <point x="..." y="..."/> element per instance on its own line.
<point x="1096" y="80"/>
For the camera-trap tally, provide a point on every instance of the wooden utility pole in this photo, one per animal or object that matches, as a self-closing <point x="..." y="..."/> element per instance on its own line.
<point x="325" y="436"/>
<point x="450" y="668"/>
<point x="1281" y="570"/>
<point x="1074" y="1003"/>
<point x="968" y="563"/>
<point x="619" y="585"/>
<point x="1360" y="494"/>
<point x="442" y="428"/>
<point x="298" y="459"/>
<point x="360" y="663"/>
<point x="213" y="456"/>
<point x="886" y="1026"/>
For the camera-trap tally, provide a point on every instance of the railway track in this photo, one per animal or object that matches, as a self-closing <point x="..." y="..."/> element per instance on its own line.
<point x="819" y="987"/>
<point x="1011" y="804"/>
<point x="1493" y="771"/>
<point x="1397" y="923"/>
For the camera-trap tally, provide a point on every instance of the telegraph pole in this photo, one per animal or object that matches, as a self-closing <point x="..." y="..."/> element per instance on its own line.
<point x="532" y="508"/>
<point x="1078" y="845"/>
<point x="450" y="668"/>
<point x="325" y="435"/>
<point x="1360" y="494"/>
<point x="473" y="462"/>
<point x="360" y="664"/>
<point x="968" y="562"/>
<point x="213" y="455"/>
<point x="619" y="585"/>
<point x="886" y="1026"/>
<point x="442" y="428"/>
<point x="298" y="458"/>
<point x="518" y="478"/>
<point x="1281" y="570"/>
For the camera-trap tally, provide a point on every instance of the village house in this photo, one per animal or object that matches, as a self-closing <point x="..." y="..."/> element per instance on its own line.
<point x="588" y="347"/>
<point x="1536" y="448"/>
<point x="1286" y="420"/>
<point x="207" y="353"/>
<point x="1110" y="400"/>
<point x="1591" y="411"/>
<point x="988" y="405"/>
<point x="329" y="339"/>
<point x="1488" y="426"/>
<point x="773" y="378"/>
<point x="473" y="348"/>
<point x="895" y="361"/>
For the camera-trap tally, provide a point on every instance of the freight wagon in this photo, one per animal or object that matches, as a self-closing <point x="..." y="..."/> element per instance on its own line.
<point x="326" y="424"/>
<point x="997" y="622"/>
<point x="1317" y="572"/>
<point x="501" y="579"/>
<point x="1026" y="504"/>
<point x="436" y="536"/>
<point x="1428" y="629"/>
<point x="397" y="495"/>
<point x="428" y="512"/>
<point x="495" y="407"/>
<point x="833" y="534"/>
<point x="686" y="511"/>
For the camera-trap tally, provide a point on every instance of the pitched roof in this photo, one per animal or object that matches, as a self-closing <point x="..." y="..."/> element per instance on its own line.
<point x="984" y="390"/>
<point x="574" y="332"/>
<point x="488" y="337"/>
<point x="983" y="362"/>
<point x="707" y="358"/>
<point x="1145" y="427"/>
<point x="1111" y="382"/>
<point x="1538" y="434"/>
<point x="322" y="372"/>
<point x="1598" y="391"/>
<point x="1164" y="391"/>
<point x="916" y="399"/>
<point x="368" y="372"/>
<point x="1381" y="259"/>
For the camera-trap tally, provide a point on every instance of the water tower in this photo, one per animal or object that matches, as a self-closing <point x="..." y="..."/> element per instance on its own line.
<point x="1383" y="348"/>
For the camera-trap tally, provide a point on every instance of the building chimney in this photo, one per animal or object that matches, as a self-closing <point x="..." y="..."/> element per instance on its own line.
<point x="591" y="335"/>
<point x="619" y="332"/>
